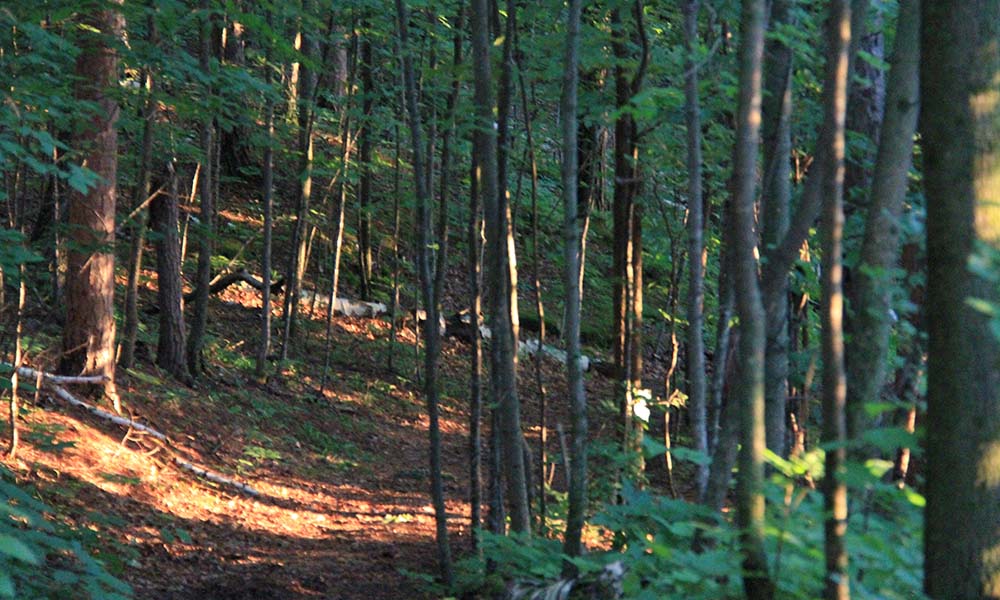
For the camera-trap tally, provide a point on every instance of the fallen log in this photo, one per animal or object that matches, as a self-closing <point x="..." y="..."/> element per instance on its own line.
<point x="52" y="382"/>
<point x="235" y="277"/>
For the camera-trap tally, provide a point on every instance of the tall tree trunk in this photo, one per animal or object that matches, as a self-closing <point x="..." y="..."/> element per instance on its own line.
<point x="501" y="271"/>
<point x="475" y="241"/>
<point x="776" y="200"/>
<point x="365" y="158"/>
<point x="749" y="307"/>
<point x="88" y="340"/>
<point x="164" y="216"/>
<point x="869" y="326"/>
<point x="206" y="231"/>
<point x="837" y="582"/>
<point x="432" y="331"/>
<point x="779" y="258"/>
<point x="960" y="124"/>
<point x="696" y="266"/>
<point x="308" y="79"/>
<point x="268" y="201"/>
<point x="572" y="544"/>
<point x="627" y="255"/>
<point x="137" y="229"/>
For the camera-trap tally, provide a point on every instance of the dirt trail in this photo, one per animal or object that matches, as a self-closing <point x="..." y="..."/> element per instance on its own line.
<point x="343" y="478"/>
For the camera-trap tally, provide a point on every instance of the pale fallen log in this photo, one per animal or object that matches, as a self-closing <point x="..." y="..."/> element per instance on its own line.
<point x="51" y="381"/>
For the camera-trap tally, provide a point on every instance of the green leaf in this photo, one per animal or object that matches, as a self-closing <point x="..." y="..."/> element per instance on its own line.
<point x="15" y="548"/>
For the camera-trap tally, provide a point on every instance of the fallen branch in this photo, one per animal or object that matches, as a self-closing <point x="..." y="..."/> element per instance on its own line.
<point x="52" y="382"/>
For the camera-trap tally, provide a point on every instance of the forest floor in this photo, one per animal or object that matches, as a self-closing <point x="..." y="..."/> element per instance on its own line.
<point x="343" y="506"/>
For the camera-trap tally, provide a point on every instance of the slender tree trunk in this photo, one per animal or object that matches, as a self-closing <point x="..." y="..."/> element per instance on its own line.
<point x="870" y="324"/>
<point x="501" y="271"/>
<point x="164" y="217"/>
<point x="572" y="544"/>
<point x="88" y="341"/>
<point x="206" y="233"/>
<point x="776" y="200"/>
<point x="446" y="176"/>
<point x="308" y="79"/>
<point x="432" y="331"/>
<point x="137" y="229"/>
<point x="837" y="582"/>
<point x="750" y="390"/>
<point x="779" y="258"/>
<point x="695" y="225"/>
<point x="396" y="190"/>
<point x="365" y="158"/>
<point x="960" y="127"/>
<point x="13" y="406"/>
<point x="475" y="241"/>
<point x="268" y="200"/>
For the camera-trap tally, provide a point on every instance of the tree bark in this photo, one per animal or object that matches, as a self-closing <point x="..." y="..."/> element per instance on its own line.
<point x="170" y="349"/>
<point x="960" y="127"/>
<point x="838" y="34"/>
<point x="750" y="384"/>
<point x="264" y="346"/>
<point x="137" y="229"/>
<point x="501" y="274"/>
<point x="88" y="340"/>
<point x="364" y="159"/>
<point x="308" y="79"/>
<point x="432" y="332"/>
<point x="696" y="267"/>
<point x="206" y="231"/>
<point x="871" y="297"/>
<point x="572" y="544"/>
<point x="776" y="199"/>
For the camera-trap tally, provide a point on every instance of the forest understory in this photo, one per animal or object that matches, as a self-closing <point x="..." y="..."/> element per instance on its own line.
<point x="342" y="510"/>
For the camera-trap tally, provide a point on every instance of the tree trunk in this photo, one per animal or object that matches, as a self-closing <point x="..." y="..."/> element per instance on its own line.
<point x="365" y="158"/>
<point x="206" y="231"/>
<point x="164" y="216"/>
<point x="308" y="79"/>
<point x="960" y="127"/>
<point x="432" y="331"/>
<point x="696" y="267"/>
<point x="137" y="229"/>
<point x="837" y="581"/>
<point x="475" y="241"/>
<point x="572" y="544"/>
<point x="776" y="199"/>
<point x="501" y="272"/>
<point x="750" y="387"/>
<point x="88" y="341"/>
<point x="871" y="297"/>
<point x="268" y="201"/>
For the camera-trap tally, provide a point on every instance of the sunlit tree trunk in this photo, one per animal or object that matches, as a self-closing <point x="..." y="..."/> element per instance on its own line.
<point x="960" y="126"/>
<point x="88" y="340"/>
<point x="838" y="39"/>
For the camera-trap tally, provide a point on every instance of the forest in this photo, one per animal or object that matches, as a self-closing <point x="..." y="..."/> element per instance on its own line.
<point x="512" y="299"/>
